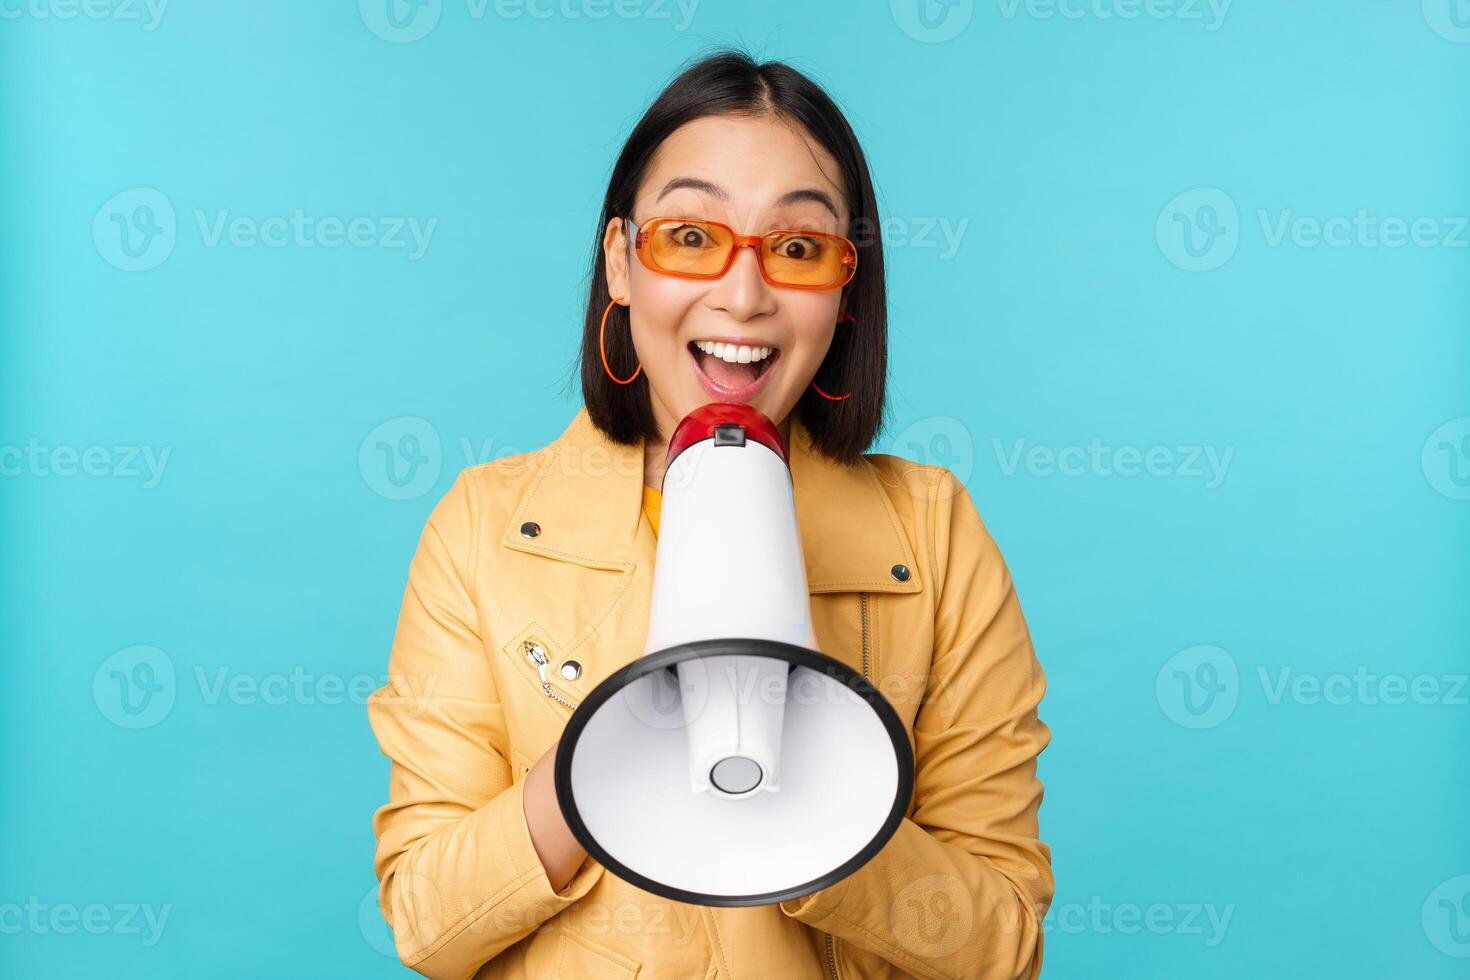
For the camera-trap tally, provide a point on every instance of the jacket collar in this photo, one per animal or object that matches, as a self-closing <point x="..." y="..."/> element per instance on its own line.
<point x="587" y="498"/>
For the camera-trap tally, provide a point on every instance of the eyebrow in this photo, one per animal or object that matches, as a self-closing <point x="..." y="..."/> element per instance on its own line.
<point x="715" y="190"/>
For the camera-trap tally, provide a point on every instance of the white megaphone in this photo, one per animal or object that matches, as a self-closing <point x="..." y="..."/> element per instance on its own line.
<point x="732" y="764"/>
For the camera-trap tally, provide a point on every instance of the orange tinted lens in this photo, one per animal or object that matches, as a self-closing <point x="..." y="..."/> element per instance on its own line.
<point x="798" y="259"/>
<point x="693" y="248"/>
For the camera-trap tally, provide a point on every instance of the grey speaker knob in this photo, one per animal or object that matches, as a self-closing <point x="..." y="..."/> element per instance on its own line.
<point x="735" y="774"/>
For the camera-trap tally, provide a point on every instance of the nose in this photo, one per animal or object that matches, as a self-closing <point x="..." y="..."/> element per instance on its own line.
<point x="741" y="291"/>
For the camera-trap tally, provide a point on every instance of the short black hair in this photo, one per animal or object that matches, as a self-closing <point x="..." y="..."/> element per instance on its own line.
<point x="732" y="82"/>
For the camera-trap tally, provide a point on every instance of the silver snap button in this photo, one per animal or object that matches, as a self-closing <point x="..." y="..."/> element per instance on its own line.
<point x="900" y="572"/>
<point x="530" y="529"/>
<point x="571" y="670"/>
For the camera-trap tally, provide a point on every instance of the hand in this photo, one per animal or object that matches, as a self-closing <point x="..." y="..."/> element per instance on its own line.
<point x="559" y="851"/>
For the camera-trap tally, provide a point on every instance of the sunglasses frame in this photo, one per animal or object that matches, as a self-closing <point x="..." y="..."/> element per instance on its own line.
<point x="738" y="241"/>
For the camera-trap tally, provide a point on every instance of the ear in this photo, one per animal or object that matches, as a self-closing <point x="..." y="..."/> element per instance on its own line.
<point x="615" y="247"/>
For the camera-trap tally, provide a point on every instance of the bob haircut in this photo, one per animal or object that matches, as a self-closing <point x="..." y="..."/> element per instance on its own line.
<point x="732" y="82"/>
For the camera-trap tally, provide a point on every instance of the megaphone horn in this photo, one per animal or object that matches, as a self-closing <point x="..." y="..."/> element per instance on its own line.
<point x="732" y="764"/>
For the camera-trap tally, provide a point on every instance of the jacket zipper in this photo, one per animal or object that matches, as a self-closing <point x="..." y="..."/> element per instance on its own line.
<point x="536" y="653"/>
<point x="867" y="671"/>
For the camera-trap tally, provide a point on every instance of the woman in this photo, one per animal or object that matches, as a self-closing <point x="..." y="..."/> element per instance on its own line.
<point x="531" y="584"/>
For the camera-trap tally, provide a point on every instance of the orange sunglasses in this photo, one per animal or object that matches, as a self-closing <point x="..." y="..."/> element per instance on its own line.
<point x="791" y="258"/>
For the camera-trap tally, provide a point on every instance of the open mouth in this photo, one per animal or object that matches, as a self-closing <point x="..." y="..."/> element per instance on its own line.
<point x="732" y="368"/>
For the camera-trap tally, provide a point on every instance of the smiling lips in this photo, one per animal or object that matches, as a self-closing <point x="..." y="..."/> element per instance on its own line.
<point x="730" y="371"/>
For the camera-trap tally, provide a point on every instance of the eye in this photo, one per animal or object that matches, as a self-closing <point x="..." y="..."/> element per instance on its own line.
<point x="797" y="247"/>
<point x="687" y="236"/>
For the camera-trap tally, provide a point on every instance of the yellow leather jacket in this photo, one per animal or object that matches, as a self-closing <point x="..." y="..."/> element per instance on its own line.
<point x="548" y="556"/>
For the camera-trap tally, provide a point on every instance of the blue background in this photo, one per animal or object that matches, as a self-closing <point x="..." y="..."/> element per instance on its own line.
<point x="1101" y="289"/>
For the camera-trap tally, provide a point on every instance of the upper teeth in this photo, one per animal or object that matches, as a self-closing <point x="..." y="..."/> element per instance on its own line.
<point x="735" y="354"/>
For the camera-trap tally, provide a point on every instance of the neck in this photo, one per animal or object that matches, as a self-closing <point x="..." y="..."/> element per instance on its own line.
<point x="655" y="453"/>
